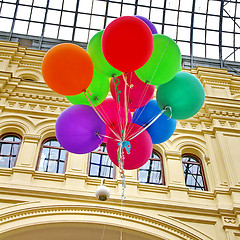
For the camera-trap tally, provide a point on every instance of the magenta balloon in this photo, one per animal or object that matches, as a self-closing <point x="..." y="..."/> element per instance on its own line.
<point x="138" y="92"/>
<point x="141" y="148"/>
<point x="109" y="110"/>
<point x="149" y="23"/>
<point x="77" y="127"/>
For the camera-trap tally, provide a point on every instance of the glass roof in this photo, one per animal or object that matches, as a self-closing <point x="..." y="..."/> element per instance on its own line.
<point x="202" y="28"/>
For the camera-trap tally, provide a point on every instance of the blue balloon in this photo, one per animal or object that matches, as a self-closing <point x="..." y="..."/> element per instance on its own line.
<point x="162" y="129"/>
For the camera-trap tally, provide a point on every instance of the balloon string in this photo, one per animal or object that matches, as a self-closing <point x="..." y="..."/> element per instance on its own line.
<point x="148" y="125"/>
<point x="99" y="114"/>
<point x="108" y="119"/>
<point x="121" y="159"/>
<point x="125" y="105"/>
<point x="119" y="106"/>
<point x="160" y="60"/>
<point x="151" y="81"/>
<point x="105" y="136"/>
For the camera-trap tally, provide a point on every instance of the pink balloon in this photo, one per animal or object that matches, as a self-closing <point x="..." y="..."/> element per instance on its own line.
<point x="141" y="148"/>
<point x="113" y="116"/>
<point x="138" y="92"/>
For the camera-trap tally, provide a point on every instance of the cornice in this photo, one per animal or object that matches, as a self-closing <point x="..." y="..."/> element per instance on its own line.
<point x="162" y="223"/>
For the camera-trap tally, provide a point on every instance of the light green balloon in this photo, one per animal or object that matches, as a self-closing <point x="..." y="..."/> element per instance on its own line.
<point x="164" y="62"/>
<point x="184" y="94"/>
<point x="100" y="64"/>
<point x="96" y="92"/>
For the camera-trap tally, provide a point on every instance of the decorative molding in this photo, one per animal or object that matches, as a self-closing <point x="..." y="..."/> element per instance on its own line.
<point x="231" y="220"/>
<point x="162" y="223"/>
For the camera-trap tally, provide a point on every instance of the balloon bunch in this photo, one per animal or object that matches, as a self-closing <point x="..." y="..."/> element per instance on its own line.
<point x="130" y="58"/>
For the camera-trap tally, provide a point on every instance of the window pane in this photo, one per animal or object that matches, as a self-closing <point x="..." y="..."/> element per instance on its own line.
<point x="156" y="165"/>
<point x="15" y="149"/>
<point x="5" y="24"/>
<point x="56" y="4"/>
<point x="51" y="32"/>
<point x="156" y="15"/>
<point x="65" y="33"/>
<point x="4" y="162"/>
<point x="106" y="160"/>
<point x="114" y="9"/>
<point x="105" y="171"/>
<point x="143" y="175"/>
<point x="69" y="5"/>
<point x="63" y="154"/>
<point x="97" y="22"/>
<point x="99" y="7"/>
<point x="94" y="170"/>
<point x="85" y="6"/>
<point x="128" y="10"/>
<point x="23" y="12"/>
<point x="38" y="14"/>
<point x="54" y="153"/>
<point x="155" y="177"/>
<point x="53" y="16"/>
<point x="6" y="149"/>
<point x="61" y="167"/>
<point x="35" y="29"/>
<point x="67" y="18"/>
<point x="95" y="158"/>
<point x="8" y="10"/>
<point x="40" y="3"/>
<point x="52" y="167"/>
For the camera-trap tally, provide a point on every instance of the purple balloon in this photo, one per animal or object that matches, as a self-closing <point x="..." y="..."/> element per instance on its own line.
<point x="77" y="129"/>
<point x="149" y="23"/>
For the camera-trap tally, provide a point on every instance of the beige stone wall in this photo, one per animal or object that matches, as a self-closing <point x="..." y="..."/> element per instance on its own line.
<point x="34" y="203"/>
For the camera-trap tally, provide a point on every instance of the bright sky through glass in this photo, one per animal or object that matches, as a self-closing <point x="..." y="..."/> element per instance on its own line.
<point x="79" y="20"/>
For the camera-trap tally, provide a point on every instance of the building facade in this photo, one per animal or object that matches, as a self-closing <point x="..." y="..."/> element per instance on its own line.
<point x="53" y="197"/>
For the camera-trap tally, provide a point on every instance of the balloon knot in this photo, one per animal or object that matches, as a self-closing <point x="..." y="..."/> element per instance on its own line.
<point x="126" y="145"/>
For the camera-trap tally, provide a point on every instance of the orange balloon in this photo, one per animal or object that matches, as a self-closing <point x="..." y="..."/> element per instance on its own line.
<point x="67" y="69"/>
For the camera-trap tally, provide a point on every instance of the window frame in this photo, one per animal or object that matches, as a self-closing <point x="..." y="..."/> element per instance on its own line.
<point x="102" y="153"/>
<point x="201" y="168"/>
<point x="40" y="154"/>
<point x="16" y="135"/>
<point x="162" y="169"/>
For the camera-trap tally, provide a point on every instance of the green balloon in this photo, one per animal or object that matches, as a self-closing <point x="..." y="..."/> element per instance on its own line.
<point x="164" y="62"/>
<point x="184" y="94"/>
<point x="96" y="92"/>
<point x="179" y="70"/>
<point x="100" y="64"/>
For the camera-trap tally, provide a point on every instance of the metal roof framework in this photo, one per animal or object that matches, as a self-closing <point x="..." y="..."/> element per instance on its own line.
<point x="207" y="31"/>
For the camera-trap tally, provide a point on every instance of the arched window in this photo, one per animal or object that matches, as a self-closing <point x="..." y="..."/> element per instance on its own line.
<point x="100" y="164"/>
<point x="193" y="172"/>
<point x="152" y="170"/>
<point x="9" y="147"/>
<point x="53" y="157"/>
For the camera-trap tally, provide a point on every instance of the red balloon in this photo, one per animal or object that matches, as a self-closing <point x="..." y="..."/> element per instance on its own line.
<point x="138" y="92"/>
<point x="113" y="116"/>
<point x="127" y="43"/>
<point x="140" y="152"/>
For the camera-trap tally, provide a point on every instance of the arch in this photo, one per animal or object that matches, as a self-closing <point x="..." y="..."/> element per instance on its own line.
<point x="29" y="73"/>
<point x="46" y="129"/>
<point x="195" y="145"/>
<point x="29" y="216"/>
<point x="19" y="124"/>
